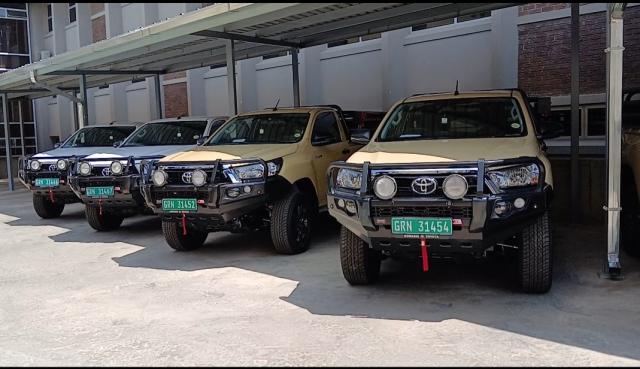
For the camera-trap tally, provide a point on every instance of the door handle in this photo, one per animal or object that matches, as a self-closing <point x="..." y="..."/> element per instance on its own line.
<point x="346" y="151"/>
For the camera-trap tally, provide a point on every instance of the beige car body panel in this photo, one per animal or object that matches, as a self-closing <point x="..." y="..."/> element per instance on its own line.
<point x="462" y="149"/>
<point x="299" y="160"/>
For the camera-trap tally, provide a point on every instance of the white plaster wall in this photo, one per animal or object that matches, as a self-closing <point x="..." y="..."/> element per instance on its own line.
<point x="170" y="10"/>
<point x="71" y="35"/>
<point x="138" y="96"/>
<point x="102" y="106"/>
<point x="274" y="81"/>
<point x="132" y="16"/>
<point x="215" y="91"/>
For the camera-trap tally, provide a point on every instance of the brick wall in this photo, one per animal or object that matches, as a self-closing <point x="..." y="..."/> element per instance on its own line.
<point x="175" y="100"/>
<point x="96" y="8"/>
<point x="533" y="8"/>
<point x="544" y="57"/>
<point x="98" y="29"/>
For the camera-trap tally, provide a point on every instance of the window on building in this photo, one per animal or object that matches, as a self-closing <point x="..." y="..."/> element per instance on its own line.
<point x="444" y="22"/>
<point x="596" y="121"/>
<point x="353" y="40"/>
<point x="275" y="55"/>
<point x="49" y="18"/>
<point x="72" y="12"/>
<point x="563" y="116"/>
<point x="468" y="17"/>
<point x="13" y="36"/>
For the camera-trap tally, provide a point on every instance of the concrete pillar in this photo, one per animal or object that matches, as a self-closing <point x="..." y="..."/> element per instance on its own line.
<point x="83" y="16"/>
<point x="393" y="68"/>
<point x="504" y="48"/>
<point x="310" y="76"/>
<point x="231" y="78"/>
<point x="113" y="19"/>
<point x="195" y="91"/>
<point x="247" y="87"/>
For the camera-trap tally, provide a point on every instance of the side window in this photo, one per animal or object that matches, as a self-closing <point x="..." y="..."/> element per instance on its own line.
<point x="326" y="130"/>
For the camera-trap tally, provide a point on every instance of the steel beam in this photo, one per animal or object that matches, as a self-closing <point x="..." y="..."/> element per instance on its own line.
<point x="76" y="119"/>
<point x="575" y="117"/>
<point x="79" y="72"/>
<point x="614" y="51"/>
<point x="21" y="120"/>
<point x="83" y="101"/>
<point x="53" y="89"/>
<point x="7" y="139"/>
<point x="159" y="110"/>
<point x="231" y="78"/>
<point x="296" y="77"/>
<point x="237" y="37"/>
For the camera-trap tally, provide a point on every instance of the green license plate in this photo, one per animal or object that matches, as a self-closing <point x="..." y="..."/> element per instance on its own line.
<point x="47" y="182"/>
<point x="426" y="226"/>
<point x="99" y="192"/>
<point x="172" y="205"/>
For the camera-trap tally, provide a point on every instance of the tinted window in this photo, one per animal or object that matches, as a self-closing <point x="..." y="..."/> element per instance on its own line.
<point x="168" y="133"/>
<point x="563" y="117"/>
<point x="454" y="118"/>
<point x="326" y="129"/>
<point x="98" y="136"/>
<point x="262" y="129"/>
<point x="597" y="121"/>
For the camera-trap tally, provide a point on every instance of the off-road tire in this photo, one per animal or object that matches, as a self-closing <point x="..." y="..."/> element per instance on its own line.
<point x="360" y="264"/>
<point x="288" y="234"/>
<point x="172" y="232"/>
<point x="108" y="221"/>
<point x="535" y="256"/>
<point x="629" y="216"/>
<point x="45" y="208"/>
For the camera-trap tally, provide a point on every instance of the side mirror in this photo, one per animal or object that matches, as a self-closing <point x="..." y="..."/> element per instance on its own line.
<point x="56" y="145"/>
<point x="360" y="136"/>
<point x="201" y="140"/>
<point x="117" y="143"/>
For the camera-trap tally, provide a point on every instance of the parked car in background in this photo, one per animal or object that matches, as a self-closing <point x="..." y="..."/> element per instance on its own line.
<point x="107" y="182"/>
<point x="261" y="170"/>
<point x="45" y="173"/>
<point x="357" y="119"/>
<point x="448" y="175"/>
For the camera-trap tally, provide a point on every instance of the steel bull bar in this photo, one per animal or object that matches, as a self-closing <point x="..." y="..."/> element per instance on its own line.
<point x="28" y="177"/>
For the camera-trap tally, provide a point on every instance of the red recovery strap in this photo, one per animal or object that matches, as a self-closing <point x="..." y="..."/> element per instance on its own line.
<point x="100" y="206"/>
<point x="425" y="255"/>
<point x="184" y="223"/>
<point x="51" y="195"/>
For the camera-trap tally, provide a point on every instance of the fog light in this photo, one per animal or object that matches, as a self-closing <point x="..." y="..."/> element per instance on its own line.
<point x="501" y="207"/>
<point x="350" y="207"/>
<point x="35" y="165"/>
<point x="341" y="203"/>
<point x="519" y="203"/>
<point x="455" y="186"/>
<point x="233" y="192"/>
<point x="198" y="177"/>
<point x="247" y="189"/>
<point x="61" y="164"/>
<point x="85" y="168"/>
<point x="159" y="177"/>
<point x="116" y="168"/>
<point x="385" y="187"/>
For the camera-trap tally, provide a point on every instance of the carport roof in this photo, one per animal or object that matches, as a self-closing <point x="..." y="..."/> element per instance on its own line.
<point x="196" y="39"/>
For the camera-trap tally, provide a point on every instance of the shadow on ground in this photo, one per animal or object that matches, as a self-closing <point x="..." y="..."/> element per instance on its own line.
<point x="581" y="309"/>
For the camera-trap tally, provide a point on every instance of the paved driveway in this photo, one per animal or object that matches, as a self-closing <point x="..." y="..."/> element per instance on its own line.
<point x="73" y="296"/>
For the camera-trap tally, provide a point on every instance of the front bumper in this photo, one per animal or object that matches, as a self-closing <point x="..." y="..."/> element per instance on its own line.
<point x="61" y="193"/>
<point x="126" y="190"/>
<point x="476" y="226"/>
<point x="215" y="209"/>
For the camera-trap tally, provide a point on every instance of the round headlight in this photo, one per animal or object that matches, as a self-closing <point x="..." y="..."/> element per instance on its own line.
<point x="35" y="165"/>
<point x="62" y="164"/>
<point x="85" y="168"/>
<point x="199" y="177"/>
<point x="159" y="178"/>
<point x="455" y="186"/>
<point x="385" y="187"/>
<point x="116" y="167"/>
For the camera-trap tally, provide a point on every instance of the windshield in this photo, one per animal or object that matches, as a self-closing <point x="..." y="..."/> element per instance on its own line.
<point x="454" y="118"/>
<point x="168" y="133"/>
<point x="262" y="129"/>
<point x="98" y="136"/>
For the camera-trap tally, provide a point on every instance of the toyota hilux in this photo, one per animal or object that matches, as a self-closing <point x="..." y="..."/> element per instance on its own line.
<point x="447" y="176"/>
<point x="108" y="182"/>
<point x="261" y="170"/>
<point x="45" y="173"/>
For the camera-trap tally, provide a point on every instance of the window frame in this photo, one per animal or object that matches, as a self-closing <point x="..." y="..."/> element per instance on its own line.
<point x="73" y="7"/>
<point x="50" y="17"/>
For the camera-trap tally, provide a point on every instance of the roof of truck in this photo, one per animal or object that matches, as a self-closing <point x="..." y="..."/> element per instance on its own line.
<point x="188" y="118"/>
<point x="461" y="95"/>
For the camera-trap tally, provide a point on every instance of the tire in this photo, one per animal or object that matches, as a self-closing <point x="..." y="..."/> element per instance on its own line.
<point x="360" y="264"/>
<point x="108" y="221"/>
<point x="45" y="208"/>
<point x="629" y="217"/>
<point x="534" y="257"/>
<point x="291" y="220"/>
<point x="173" y="235"/>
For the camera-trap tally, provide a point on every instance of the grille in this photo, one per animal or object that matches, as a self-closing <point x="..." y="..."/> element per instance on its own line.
<point x="175" y="176"/>
<point x="422" y="211"/>
<point x="405" y="190"/>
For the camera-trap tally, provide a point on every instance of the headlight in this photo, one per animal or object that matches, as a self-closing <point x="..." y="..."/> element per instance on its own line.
<point x="198" y="177"/>
<point x="385" y="187"/>
<point x="349" y="178"/>
<point x="84" y="168"/>
<point x="35" y="165"/>
<point x="62" y="164"/>
<point x="516" y="176"/>
<point x="116" y="168"/>
<point x="455" y="186"/>
<point x="253" y="171"/>
<point x="159" y="177"/>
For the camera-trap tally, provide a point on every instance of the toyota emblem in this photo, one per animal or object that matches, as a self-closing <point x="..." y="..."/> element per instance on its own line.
<point x="106" y="172"/>
<point x="186" y="177"/>
<point x="424" y="185"/>
<point x="53" y="168"/>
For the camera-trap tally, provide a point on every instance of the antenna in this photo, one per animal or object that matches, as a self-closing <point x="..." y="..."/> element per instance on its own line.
<point x="456" y="91"/>
<point x="276" y="107"/>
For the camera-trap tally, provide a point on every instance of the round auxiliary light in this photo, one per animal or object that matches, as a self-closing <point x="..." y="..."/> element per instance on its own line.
<point x="159" y="178"/>
<point x="199" y="178"/>
<point x="519" y="203"/>
<point x="116" y="167"/>
<point x="62" y="164"/>
<point x="85" y="168"/>
<point x="455" y="186"/>
<point x="35" y="165"/>
<point x="385" y="187"/>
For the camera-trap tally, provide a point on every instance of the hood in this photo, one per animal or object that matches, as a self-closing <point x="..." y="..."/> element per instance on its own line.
<point x="68" y="152"/>
<point x="231" y="152"/>
<point x="138" y="152"/>
<point x="427" y="151"/>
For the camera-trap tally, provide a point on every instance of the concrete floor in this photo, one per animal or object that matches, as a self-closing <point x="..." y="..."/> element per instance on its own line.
<point x="73" y="296"/>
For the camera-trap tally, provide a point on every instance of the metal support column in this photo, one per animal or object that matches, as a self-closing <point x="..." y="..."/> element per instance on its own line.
<point x="76" y="122"/>
<point x="296" y="77"/>
<point x="159" y="107"/>
<point x="231" y="77"/>
<point x="83" y="97"/>
<point x="7" y="139"/>
<point x="21" y="119"/>
<point x="575" y="117"/>
<point x="614" y="137"/>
